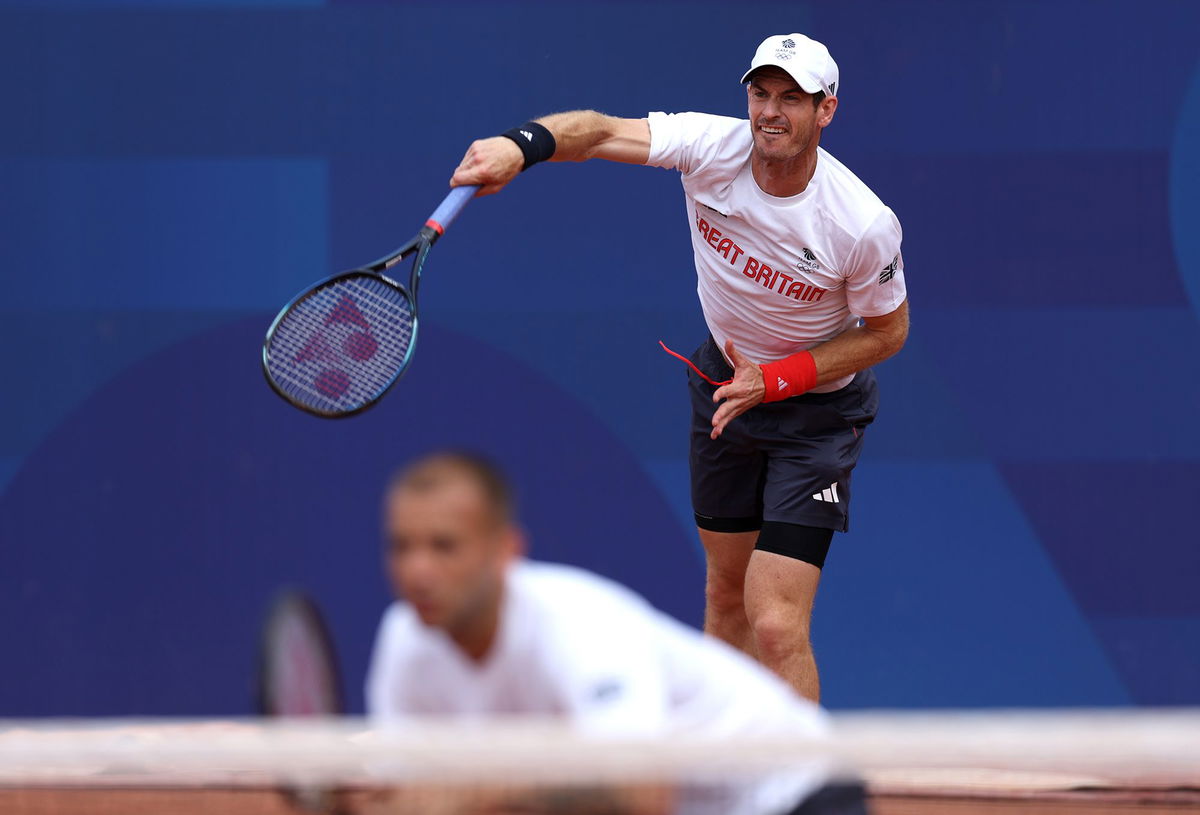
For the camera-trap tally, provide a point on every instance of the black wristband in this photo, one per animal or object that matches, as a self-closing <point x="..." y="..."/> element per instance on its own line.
<point x="536" y="142"/>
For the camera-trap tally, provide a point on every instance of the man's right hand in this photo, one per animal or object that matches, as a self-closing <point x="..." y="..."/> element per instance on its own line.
<point x="491" y="163"/>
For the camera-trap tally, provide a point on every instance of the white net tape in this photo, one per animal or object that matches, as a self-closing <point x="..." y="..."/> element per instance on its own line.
<point x="1073" y="749"/>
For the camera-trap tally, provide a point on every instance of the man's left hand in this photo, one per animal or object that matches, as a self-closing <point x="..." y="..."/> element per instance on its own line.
<point x="744" y="392"/>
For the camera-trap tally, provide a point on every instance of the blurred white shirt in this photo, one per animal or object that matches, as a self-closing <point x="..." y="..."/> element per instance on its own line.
<point x="574" y="645"/>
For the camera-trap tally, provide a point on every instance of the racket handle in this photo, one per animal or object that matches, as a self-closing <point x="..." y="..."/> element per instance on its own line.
<point x="451" y="205"/>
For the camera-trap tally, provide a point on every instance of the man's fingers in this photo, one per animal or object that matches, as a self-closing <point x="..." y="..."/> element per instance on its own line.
<point x="718" y="416"/>
<point x="726" y="413"/>
<point x="465" y="176"/>
<point x="719" y="422"/>
<point x="716" y="431"/>
<point x="470" y="173"/>
<point x="734" y="392"/>
<point x="735" y="356"/>
<point x="490" y="163"/>
<point x="485" y="187"/>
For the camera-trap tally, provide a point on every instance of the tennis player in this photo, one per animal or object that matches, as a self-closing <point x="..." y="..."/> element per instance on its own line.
<point x="801" y="281"/>
<point x="483" y="632"/>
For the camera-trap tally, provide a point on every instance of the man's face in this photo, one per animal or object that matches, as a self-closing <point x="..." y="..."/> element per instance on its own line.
<point x="783" y="119"/>
<point x="446" y="553"/>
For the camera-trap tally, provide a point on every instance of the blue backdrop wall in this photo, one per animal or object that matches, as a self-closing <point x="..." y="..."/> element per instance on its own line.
<point x="172" y="172"/>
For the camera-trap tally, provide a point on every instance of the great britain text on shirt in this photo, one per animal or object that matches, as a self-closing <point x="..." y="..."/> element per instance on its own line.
<point x="774" y="279"/>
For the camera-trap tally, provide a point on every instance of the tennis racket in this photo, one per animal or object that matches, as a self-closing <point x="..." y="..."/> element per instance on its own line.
<point x="297" y="671"/>
<point x="338" y="347"/>
<point x="298" y="677"/>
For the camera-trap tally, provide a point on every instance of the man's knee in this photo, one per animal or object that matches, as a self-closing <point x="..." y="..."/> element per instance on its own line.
<point x="779" y="599"/>
<point x="725" y="586"/>
<point x="725" y="597"/>
<point x="780" y="631"/>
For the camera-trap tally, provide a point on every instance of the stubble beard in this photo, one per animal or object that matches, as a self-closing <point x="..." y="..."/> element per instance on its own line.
<point x="779" y="155"/>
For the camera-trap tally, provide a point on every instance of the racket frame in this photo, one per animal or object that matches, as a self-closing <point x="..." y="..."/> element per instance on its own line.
<point x="295" y="603"/>
<point x="419" y="245"/>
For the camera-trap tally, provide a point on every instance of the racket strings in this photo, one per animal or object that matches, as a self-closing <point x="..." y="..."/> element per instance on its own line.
<point x="339" y="348"/>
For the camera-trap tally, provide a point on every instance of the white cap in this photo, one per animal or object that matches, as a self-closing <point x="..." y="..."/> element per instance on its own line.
<point x="806" y="61"/>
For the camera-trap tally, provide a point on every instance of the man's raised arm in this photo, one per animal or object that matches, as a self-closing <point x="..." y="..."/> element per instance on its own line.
<point x="575" y="136"/>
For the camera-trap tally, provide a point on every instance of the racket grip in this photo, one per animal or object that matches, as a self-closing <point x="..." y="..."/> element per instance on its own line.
<point x="451" y="205"/>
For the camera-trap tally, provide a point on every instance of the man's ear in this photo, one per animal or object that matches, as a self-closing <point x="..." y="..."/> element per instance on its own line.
<point x="514" y="542"/>
<point x="825" y="111"/>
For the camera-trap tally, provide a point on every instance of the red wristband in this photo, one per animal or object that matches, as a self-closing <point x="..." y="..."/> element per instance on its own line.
<point x="789" y="377"/>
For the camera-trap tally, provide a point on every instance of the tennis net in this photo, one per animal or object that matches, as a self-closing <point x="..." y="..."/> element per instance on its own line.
<point x="952" y="762"/>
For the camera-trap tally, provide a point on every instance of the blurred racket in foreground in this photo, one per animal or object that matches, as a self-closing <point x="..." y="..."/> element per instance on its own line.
<point x="298" y="674"/>
<point x="298" y="677"/>
<point x="337" y="347"/>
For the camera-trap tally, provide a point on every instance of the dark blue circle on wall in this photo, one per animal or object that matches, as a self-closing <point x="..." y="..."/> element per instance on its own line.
<point x="145" y="537"/>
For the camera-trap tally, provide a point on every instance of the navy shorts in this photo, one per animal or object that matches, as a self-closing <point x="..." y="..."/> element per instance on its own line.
<point x="786" y="461"/>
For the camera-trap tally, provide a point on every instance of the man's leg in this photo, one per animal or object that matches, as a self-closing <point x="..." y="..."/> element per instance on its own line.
<point x="727" y="478"/>
<point x="728" y="555"/>
<point x="780" y="590"/>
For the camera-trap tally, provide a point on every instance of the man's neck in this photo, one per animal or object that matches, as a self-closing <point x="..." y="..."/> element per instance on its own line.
<point x="784" y="179"/>
<point x="477" y="639"/>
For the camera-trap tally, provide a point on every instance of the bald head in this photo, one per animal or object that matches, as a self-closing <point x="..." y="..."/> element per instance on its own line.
<point x="457" y="469"/>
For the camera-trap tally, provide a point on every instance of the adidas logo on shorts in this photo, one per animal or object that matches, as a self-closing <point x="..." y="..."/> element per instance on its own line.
<point x="828" y="495"/>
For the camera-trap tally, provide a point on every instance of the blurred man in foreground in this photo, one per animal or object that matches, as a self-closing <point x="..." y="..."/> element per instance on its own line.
<point x="482" y="632"/>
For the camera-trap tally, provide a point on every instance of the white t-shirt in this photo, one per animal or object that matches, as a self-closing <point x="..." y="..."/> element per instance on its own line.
<point x="778" y="275"/>
<point x="575" y="645"/>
